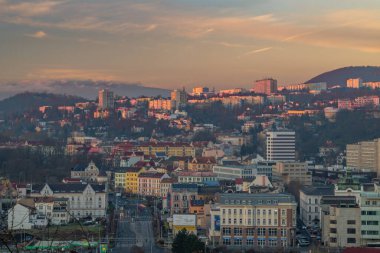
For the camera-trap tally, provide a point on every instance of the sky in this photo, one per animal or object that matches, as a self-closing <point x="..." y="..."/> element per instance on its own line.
<point x="175" y="43"/>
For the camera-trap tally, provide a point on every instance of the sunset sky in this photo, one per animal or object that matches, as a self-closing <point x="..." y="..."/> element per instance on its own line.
<point x="172" y="43"/>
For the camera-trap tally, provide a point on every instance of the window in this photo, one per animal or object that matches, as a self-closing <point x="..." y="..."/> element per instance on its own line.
<point x="240" y="221"/>
<point x="258" y="211"/>
<point x="283" y="212"/>
<point x="333" y="230"/>
<point x="351" y="231"/>
<point x="250" y="231"/>
<point x="229" y="221"/>
<point x="316" y="209"/>
<point x="249" y="212"/>
<point x="373" y="222"/>
<point x="275" y="222"/>
<point x="249" y="221"/>
<point x="241" y="211"/>
<point x="238" y="231"/>
<point x="234" y="211"/>
<point x="261" y="242"/>
<point x="309" y="200"/>
<point x="250" y="241"/>
<point x="226" y="241"/>
<point x="264" y="212"/>
<point x="234" y="221"/>
<point x="351" y="240"/>
<point x="283" y="232"/>
<point x="258" y="222"/>
<point x="332" y="221"/>
<point x="264" y="222"/>
<point x="272" y="243"/>
<point x="261" y="231"/>
<point x="269" y="212"/>
<point x="333" y="239"/>
<point x="283" y="222"/>
<point x="273" y="232"/>
<point x="351" y="222"/>
<point x="229" y="211"/>
<point x="374" y="203"/>
<point x="224" y="211"/>
<point x="224" y="221"/>
<point x="237" y="241"/>
<point x="316" y="201"/>
<point x="226" y="231"/>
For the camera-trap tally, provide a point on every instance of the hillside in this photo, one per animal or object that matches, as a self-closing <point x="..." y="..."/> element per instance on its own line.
<point x="340" y="76"/>
<point x="84" y="88"/>
<point x="24" y="101"/>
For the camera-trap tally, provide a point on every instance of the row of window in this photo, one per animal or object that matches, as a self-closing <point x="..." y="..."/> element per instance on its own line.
<point x="369" y="213"/>
<point x="251" y="242"/>
<point x="249" y="211"/>
<point x="259" y="222"/>
<point x="370" y="222"/>
<point x="370" y="232"/>
<point x="349" y="240"/>
<point x="250" y="202"/>
<point x="251" y="231"/>
<point x="349" y="230"/>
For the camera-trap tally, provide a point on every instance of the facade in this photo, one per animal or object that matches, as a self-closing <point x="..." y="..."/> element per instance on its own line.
<point x="340" y="221"/>
<point x="364" y="155"/>
<point x="232" y="172"/>
<point x="120" y="179"/>
<point x="87" y="174"/>
<point x="370" y="217"/>
<point x="265" y="168"/>
<point x="265" y="86"/>
<point x="83" y="199"/>
<point x="310" y="202"/>
<point x="149" y="183"/>
<point x="196" y="177"/>
<point x="254" y="220"/>
<point x="201" y="164"/>
<point x="168" y="148"/>
<point x="281" y="145"/>
<point x="179" y="97"/>
<point x="106" y="99"/>
<point x="355" y="83"/>
<point x="23" y="216"/>
<point x="161" y="104"/>
<point x="132" y="179"/>
<point x="292" y="172"/>
<point x="180" y="196"/>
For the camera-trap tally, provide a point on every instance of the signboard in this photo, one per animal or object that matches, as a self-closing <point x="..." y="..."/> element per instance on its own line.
<point x="103" y="248"/>
<point x="217" y="222"/>
<point x="184" y="220"/>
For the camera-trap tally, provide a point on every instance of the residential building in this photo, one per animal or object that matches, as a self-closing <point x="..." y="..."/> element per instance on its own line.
<point x="340" y="221"/>
<point x="166" y="186"/>
<point x="202" y="164"/>
<point x="310" y="203"/>
<point x="167" y="148"/>
<point x="83" y="199"/>
<point x="292" y="172"/>
<point x="265" y="86"/>
<point x="56" y="210"/>
<point x="281" y="145"/>
<point x="120" y="179"/>
<point x="23" y="215"/>
<point x="89" y="173"/>
<point x="246" y="221"/>
<point x="196" y="177"/>
<point x="180" y="196"/>
<point x="355" y="83"/>
<point x="149" y="183"/>
<point x="132" y="179"/>
<point x="162" y="104"/>
<point x="179" y="97"/>
<point x="106" y="99"/>
<point x="370" y="217"/>
<point x="364" y="156"/>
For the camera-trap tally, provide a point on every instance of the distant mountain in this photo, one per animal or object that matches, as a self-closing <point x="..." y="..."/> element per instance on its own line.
<point x="31" y="100"/>
<point x="84" y="88"/>
<point x="340" y="76"/>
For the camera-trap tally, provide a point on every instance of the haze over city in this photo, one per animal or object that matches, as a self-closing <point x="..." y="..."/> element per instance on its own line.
<point x="168" y="44"/>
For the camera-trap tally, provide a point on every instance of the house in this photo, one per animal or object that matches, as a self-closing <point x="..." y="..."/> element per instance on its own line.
<point x="89" y="173"/>
<point x="202" y="164"/>
<point x="83" y="199"/>
<point x="23" y="215"/>
<point x="149" y="183"/>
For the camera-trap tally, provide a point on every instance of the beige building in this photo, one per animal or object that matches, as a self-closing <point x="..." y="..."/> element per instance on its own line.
<point x="292" y="172"/>
<point x="246" y="221"/>
<point x="364" y="155"/>
<point x="162" y="104"/>
<point x="340" y="221"/>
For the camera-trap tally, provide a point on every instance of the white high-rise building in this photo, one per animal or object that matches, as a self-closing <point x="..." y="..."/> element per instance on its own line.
<point x="281" y="145"/>
<point x="106" y="99"/>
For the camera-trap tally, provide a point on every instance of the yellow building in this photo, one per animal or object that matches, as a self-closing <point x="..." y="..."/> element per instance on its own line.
<point x="168" y="148"/>
<point x="131" y="179"/>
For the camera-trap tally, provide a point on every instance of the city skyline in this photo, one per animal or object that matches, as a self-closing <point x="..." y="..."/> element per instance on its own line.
<point x="171" y="44"/>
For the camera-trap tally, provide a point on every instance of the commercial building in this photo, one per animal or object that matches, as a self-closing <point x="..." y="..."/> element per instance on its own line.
<point x="253" y="220"/>
<point x="281" y="145"/>
<point x="232" y="172"/>
<point x="265" y="86"/>
<point x="364" y="156"/>
<point x="310" y="202"/>
<point x="288" y="172"/>
<point x="106" y="99"/>
<point x="340" y="221"/>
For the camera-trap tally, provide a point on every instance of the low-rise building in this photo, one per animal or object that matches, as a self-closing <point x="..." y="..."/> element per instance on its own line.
<point x="180" y="196"/>
<point x="196" y="177"/>
<point x="231" y="172"/>
<point x="202" y="164"/>
<point x="292" y="172"/>
<point x="149" y="183"/>
<point x="245" y="221"/>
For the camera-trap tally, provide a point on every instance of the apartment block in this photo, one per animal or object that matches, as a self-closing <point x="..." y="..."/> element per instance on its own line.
<point x="281" y="145"/>
<point x="292" y="172"/>
<point x="364" y="156"/>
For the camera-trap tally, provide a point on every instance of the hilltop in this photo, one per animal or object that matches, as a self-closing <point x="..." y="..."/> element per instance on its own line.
<point x="27" y="100"/>
<point x="340" y="76"/>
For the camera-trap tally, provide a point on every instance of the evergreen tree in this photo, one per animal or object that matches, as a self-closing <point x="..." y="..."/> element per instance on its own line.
<point x="184" y="242"/>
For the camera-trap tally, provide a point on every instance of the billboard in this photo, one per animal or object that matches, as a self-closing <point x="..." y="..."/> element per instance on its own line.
<point x="184" y="220"/>
<point x="217" y="222"/>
